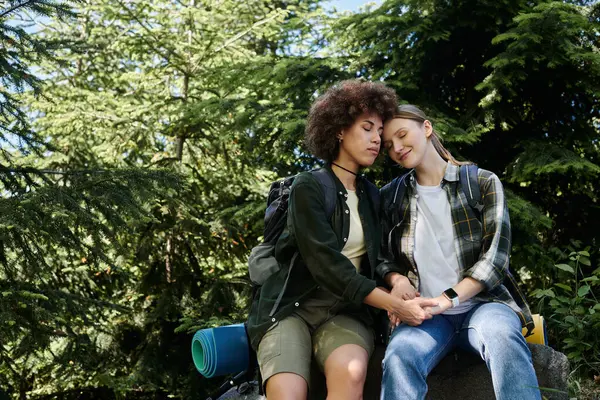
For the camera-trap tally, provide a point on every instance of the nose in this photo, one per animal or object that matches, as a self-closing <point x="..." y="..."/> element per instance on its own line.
<point x="376" y="138"/>
<point x="398" y="146"/>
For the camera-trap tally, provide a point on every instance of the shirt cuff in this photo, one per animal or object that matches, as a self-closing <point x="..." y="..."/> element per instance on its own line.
<point x="359" y="287"/>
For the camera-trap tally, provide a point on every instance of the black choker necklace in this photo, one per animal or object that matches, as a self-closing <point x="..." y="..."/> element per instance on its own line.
<point x="347" y="170"/>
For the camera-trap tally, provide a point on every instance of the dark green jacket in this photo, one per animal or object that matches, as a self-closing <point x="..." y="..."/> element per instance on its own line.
<point x="320" y="262"/>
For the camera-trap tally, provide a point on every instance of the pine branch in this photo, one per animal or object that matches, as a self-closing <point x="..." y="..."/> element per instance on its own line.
<point x="153" y="39"/>
<point x="53" y="172"/>
<point x="16" y="7"/>
<point x="41" y="7"/>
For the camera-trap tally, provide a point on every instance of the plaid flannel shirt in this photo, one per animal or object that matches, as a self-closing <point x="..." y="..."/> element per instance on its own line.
<point x="482" y="244"/>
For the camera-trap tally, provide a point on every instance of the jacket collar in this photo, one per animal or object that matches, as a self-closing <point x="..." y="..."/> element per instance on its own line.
<point x="339" y="186"/>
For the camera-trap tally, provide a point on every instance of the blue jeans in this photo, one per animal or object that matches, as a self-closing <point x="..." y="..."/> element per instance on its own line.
<point x="491" y="329"/>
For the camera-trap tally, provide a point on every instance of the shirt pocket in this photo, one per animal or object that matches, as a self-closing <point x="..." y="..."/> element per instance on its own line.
<point x="470" y="230"/>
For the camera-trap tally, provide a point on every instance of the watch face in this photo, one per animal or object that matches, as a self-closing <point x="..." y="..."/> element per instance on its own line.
<point x="451" y="293"/>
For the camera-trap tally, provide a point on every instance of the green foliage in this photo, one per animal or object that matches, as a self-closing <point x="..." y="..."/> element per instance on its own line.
<point x="61" y="278"/>
<point x="543" y="92"/>
<point x="186" y="87"/>
<point x="570" y="304"/>
<point x="19" y="49"/>
<point x="140" y="152"/>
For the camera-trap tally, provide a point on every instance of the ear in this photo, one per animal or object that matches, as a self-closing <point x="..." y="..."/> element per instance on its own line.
<point x="428" y="128"/>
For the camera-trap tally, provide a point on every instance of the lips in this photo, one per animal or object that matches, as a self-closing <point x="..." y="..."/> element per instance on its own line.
<point x="404" y="155"/>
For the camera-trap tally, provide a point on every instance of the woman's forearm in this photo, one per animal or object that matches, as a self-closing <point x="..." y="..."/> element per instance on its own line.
<point x="468" y="288"/>
<point x="379" y="298"/>
<point x="392" y="277"/>
<point x="465" y="289"/>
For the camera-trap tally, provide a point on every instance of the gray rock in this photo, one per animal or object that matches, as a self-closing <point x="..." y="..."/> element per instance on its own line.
<point x="460" y="375"/>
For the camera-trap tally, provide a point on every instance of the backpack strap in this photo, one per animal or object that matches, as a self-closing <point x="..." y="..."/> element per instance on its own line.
<point x="469" y="181"/>
<point x="328" y="186"/>
<point x="278" y="301"/>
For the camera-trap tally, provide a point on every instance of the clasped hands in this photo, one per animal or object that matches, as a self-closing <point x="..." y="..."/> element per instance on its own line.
<point x="413" y="309"/>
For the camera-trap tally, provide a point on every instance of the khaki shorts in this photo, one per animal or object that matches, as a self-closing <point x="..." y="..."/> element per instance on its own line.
<point x="289" y="345"/>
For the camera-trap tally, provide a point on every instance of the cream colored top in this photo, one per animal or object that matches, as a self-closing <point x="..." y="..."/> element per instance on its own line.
<point x="355" y="247"/>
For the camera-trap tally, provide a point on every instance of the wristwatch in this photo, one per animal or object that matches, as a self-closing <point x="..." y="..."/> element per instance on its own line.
<point x="451" y="295"/>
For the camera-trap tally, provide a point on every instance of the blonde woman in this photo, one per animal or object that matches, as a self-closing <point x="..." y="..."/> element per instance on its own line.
<point x="439" y="247"/>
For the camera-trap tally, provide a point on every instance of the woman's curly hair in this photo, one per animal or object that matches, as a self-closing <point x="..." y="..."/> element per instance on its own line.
<point x="339" y="107"/>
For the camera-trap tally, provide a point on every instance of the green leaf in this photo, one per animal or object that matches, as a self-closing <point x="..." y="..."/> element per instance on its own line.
<point x="563" y="286"/>
<point x="585" y="261"/>
<point x="583" y="291"/>
<point x="565" y="267"/>
<point x="544" y="293"/>
<point x="591" y="279"/>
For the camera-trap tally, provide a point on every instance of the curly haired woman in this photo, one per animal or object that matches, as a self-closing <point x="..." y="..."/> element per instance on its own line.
<point x="325" y="311"/>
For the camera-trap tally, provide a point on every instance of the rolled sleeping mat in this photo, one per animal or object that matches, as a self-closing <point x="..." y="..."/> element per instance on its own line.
<point x="221" y="351"/>
<point x="538" y="335"/>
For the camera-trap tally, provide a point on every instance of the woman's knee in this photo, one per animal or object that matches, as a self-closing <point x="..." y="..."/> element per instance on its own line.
<point x="354" y="371"/>
<point x="497" y="329"/>
<point x="348" y="366"/>
<point x="286" y="386"/>
<point x="495" y="318"/>
<point x="402" y="359"/>
<point x="405" y="347"/>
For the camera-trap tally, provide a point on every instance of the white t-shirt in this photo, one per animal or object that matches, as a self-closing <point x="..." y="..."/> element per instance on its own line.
<point x="435" y="254"/>
<point x="355" y="247"/>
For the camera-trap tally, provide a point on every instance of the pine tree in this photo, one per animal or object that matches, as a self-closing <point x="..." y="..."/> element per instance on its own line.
<point x="543" y="94"/>
<point x="19" y="49"/>
<point x="512" y="86"/>
<point x="58" y="262"/>
<point x="187" y="87"/>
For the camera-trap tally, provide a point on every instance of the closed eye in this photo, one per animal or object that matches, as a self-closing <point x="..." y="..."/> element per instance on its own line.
<point x="400" y="133"/>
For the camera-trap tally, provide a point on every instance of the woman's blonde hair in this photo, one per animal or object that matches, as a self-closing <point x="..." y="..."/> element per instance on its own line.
<point x="409" y="111"/>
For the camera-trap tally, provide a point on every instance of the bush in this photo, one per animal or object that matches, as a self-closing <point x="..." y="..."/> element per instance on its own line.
<point x="570" y="305"/>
